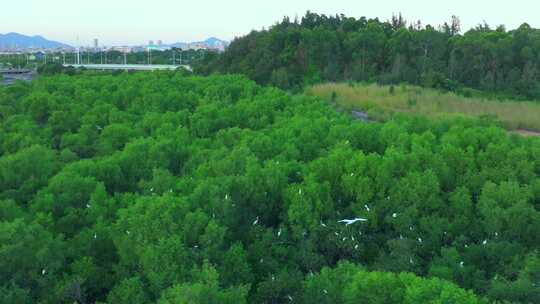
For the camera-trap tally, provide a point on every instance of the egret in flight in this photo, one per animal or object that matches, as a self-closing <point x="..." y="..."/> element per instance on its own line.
<point x="350" y="222"/>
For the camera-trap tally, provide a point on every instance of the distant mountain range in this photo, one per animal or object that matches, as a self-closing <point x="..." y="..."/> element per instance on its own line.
<point x="19" y="41"/>
<point x="211" y="43"/>
<point x="15" y="41"/>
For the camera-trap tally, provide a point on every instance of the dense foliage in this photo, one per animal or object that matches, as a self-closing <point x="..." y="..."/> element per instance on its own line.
<point x="336" y="48"/>
<point x="156" y="187"/>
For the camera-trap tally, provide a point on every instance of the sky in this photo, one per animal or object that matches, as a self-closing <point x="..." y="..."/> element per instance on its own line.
<point x="130" y="22"/>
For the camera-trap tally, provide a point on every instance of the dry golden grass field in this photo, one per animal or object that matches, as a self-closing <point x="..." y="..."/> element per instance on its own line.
<point x="522" y="116"/>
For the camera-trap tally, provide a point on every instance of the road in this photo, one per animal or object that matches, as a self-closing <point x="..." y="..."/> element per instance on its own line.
<point x="9" y="79"/>
<point x="133" y="67"/>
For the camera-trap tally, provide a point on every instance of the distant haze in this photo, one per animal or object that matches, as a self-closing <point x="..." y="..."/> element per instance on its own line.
<point x="136" y="22"/>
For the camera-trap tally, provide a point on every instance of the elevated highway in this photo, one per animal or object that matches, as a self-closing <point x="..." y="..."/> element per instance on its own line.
<point x="129" y="67"/>
<point x="15" y="71"/>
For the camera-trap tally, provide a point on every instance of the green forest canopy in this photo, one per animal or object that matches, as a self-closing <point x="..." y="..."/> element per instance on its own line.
<point x="156" y="187"/>
<point x="336" y="48"/>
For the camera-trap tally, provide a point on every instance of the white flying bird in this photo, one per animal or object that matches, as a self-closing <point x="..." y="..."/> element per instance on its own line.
<point x="256" y="221"/>
<point x="394" y="215"/>
<point x="350" y="222"/>
<point x="367" y="208"/>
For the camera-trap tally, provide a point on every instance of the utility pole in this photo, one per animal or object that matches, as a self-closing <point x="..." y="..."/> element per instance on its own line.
<point x="78" y="51"/>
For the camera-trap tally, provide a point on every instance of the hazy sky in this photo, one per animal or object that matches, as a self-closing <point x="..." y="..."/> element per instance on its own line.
<point x="136" y="21"/>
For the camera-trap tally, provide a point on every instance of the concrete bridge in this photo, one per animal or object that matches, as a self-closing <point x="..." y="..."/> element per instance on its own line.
<point x="15" y="71"/>
<point x="130" y="67"/>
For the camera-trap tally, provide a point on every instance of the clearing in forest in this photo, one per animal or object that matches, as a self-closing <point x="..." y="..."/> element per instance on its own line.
<point x="522" y="116"/>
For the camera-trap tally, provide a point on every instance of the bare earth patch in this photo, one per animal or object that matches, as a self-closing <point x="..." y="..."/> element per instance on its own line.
<point x="527" y="133"/>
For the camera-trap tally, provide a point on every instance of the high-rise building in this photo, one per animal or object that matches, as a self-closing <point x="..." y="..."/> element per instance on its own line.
<point x="159" y="42"/>
<point x="96" y="43"/>
<point x="151" y="42"/>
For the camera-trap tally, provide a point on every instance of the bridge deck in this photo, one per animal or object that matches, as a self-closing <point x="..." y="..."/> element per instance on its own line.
<point x="15" y="71"/>
<point x="137" y="67"/>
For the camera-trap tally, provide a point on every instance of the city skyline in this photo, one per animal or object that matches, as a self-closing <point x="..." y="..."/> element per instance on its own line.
<point x="123" y="23"/>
